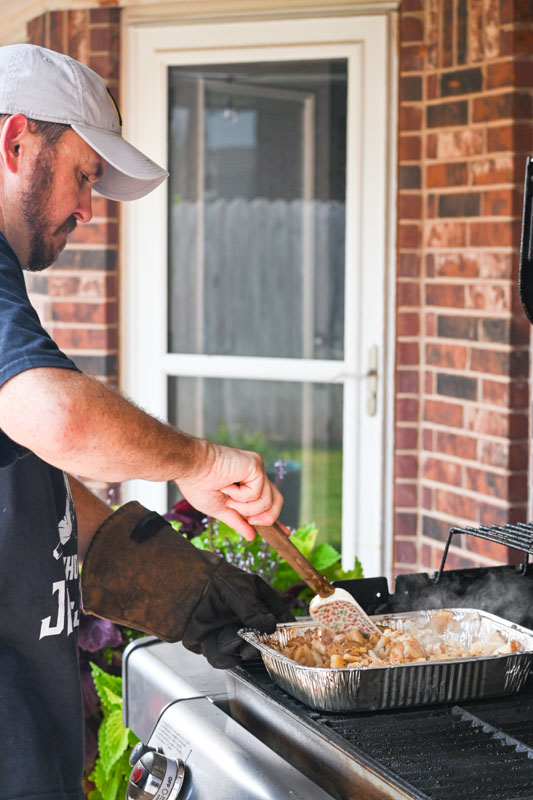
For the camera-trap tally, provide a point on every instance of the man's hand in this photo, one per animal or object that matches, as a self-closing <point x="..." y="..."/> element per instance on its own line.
<point x="232" y="486"/>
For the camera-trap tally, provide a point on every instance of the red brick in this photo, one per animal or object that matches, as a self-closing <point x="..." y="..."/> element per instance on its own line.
<point x="515" y="11"/>
<point x="71" y="339"/>
<point x="496" y="552"/>
<point x="494" y="454"/>
<point x="485" y="482"/>
<point x="412" y="57"/>
<point x="104" y="232"/>
<point x="495" y="234"/>
<point x="445" y="295"/>
<point x="455" y="174"/>
<point x="404" y="552"/>
<point x="410" y="118"/>
<point x="496" y="393"/>
<point x="407" y="353"/>
<point x="518" y="41"/>
<point x="407" y="381"/>
<point x="37" y="31"/>
<point x="513" y="137"/>
<point x="407" y="409"/>
<point x="499" y="169"/>
<point x="445" y="234"/>
<point x="428" y="436"/>
<point x="518" y="455"/>
<point x="408" y="324"/>
<point x="77" y="25"/>
<point x="406" y="438"/>
<point x="108" y="67"/>
<point x="499" y="202"/>
<point x="440" y="471"/>
<point x="104" y="39"/>
<point x="442" y="413"/>
<point x="492" y="108"/>
<point x="409" y="206"/>
<point x="102" y="207"/>
<point x="492" y="361"/>
<point x="455" y="265"/>
<point x="458" y="506"/>
<point x="489" y="297"/>
<point x="57" y="38"/>
<point x="84" y="312"/>
<point x="405" y="495"/>
<point x="456" y="444"/>
<point x="410" y="88"/>
<point x="429" y="383"/>
<point x="406" y="466"/>
<point x="411" y="29"/>
<point x="432" y="87"/>
<point x="409" y="236"/>
<point x="103" y="16"/>
<point x="495" y="265"/>
<point x="426" y="557"/>
<point x="446" y="355"/>
<point x="405" y="524"/>
<point x="458" y="144"/>
<point x="408" y="293"/>
<point x="486" y="421"/>
<point x="408" y="265"/>
<point x="409" y="148"/>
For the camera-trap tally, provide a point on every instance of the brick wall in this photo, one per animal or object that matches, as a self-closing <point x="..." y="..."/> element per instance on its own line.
<point x="77" y="298"/>
<point x="465" y="126"/>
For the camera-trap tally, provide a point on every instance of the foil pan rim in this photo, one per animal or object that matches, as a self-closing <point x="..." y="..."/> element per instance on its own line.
<point x="251" y="636"/>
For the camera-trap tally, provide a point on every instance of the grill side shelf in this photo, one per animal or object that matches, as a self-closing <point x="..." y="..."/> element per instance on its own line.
<point x="517" y="537"/>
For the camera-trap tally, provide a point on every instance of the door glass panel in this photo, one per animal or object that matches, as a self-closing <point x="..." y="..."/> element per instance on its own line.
<point x="257" y="209"/>
<point x="296" y="427"/>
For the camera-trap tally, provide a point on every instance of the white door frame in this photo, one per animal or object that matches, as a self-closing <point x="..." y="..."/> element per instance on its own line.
<point x="367" y="44"/>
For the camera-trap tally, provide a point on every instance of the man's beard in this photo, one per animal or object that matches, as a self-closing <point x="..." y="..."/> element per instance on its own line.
<point x="43" y="252"/>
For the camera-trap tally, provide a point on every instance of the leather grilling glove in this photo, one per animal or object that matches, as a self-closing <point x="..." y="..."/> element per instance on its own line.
<point x="141" y="573"/>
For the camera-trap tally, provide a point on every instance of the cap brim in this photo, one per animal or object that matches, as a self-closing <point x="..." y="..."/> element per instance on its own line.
<point x="129" y="174"/>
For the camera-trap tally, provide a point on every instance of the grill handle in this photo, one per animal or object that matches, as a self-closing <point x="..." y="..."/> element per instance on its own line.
<point x="276" y="537"/>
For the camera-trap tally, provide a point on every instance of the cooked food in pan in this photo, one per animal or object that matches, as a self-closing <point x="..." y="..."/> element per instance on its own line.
<point x="410" y="644"/>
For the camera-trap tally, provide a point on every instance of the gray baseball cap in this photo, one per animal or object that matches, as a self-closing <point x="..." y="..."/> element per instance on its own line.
<point x="52" y="87"/>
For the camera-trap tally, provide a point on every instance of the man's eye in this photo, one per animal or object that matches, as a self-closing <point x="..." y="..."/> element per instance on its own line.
<point x="84" y="177"/>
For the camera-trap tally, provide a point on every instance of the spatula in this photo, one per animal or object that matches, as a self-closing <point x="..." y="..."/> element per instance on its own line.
<point x="334" y="609"/>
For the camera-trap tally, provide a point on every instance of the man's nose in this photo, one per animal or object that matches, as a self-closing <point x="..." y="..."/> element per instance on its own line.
<point x="84" y="211"/>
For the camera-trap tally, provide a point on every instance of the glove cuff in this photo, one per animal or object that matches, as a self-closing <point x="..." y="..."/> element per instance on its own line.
<point x="141" y="573"/>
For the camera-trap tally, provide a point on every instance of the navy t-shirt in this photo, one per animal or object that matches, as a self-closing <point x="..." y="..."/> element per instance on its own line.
<point x="41" y="719"/>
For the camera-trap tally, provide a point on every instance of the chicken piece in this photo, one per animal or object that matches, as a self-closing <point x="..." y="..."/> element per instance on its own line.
<point x="337" y="661"/>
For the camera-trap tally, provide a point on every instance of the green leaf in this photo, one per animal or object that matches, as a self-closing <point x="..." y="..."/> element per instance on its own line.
<point x="175" y="523"/>
<point x="324" y="556"/>
<point x="112" y="699"/>
<point x="200" y="542"/>
<point x="285" y="577"/>
<point x="106" y="686"/>
<point x="356" y="572"/>
<point x="112" y="739"/>
<point x="304" y="538"/>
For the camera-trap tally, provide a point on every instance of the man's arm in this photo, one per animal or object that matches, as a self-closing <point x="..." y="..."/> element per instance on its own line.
<point x="78" y="424"/>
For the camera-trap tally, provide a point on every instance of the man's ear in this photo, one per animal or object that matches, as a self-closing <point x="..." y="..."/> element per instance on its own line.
<point x="13" y="140"/>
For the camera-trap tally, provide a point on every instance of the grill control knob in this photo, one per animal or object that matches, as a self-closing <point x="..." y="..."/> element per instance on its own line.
<point x="154" y="776"/>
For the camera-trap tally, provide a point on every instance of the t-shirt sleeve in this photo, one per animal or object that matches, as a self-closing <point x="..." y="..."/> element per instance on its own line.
<point x="24" y="343"/>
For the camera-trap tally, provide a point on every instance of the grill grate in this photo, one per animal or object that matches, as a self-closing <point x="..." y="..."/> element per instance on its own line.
<point x="482" y="749"/>
<point x="517" y="537"/>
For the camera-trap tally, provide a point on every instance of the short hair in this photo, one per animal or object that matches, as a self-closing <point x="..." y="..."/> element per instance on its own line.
<point x="50" y="132"/>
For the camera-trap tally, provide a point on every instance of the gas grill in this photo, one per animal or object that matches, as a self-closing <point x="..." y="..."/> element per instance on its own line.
<point x="238" y="735"/>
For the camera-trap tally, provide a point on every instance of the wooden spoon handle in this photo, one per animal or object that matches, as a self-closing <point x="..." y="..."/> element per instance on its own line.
<point x="275" y="536"/>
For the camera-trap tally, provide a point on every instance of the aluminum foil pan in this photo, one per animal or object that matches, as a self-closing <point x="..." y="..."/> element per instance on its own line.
<point x="400" y="686"/>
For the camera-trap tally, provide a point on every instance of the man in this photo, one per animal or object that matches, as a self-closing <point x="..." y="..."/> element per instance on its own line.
<point x="60" y="139"/>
